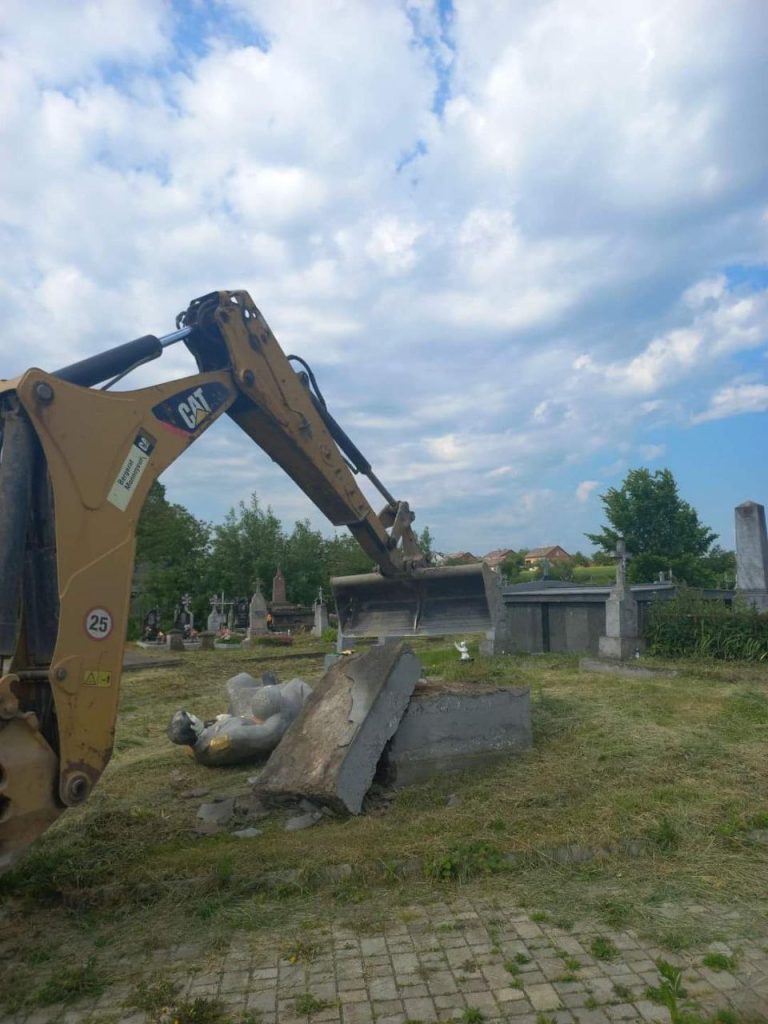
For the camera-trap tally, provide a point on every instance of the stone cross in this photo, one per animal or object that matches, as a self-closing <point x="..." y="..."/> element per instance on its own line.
<point x="320" y="610"/>
<point x="622" y="556"/>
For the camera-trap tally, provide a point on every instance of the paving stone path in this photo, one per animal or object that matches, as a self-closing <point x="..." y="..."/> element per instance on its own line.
<point x="442" y="962"/>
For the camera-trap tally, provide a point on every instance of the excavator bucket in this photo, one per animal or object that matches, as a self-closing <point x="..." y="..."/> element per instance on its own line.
<point x="426" y="602"/>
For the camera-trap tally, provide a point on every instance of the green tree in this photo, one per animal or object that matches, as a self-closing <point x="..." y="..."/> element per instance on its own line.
<point x="248" y="545"/>
<point x="172" y="550"/>
<point x="720" y="568"/>
<point x="661" y="530"/>
<point x="345" y="557"/>
<point x="304" y="563"/>
<point x="425" y="543"/>
<point x="513" y="566"/>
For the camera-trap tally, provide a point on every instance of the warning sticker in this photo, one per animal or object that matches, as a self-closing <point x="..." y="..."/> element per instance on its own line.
<point x="95" y="678"/>
<point x="131" y="471"/>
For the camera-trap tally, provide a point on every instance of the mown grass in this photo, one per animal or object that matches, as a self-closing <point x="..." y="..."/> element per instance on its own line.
<point x="677" y="762"/>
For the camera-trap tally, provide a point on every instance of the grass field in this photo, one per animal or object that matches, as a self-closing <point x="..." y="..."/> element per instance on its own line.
<point x="654" y="785"/>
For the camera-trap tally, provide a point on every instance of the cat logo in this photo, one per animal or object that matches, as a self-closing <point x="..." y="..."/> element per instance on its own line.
<point x="187" y="411"/>
<point x="195" y="409"/>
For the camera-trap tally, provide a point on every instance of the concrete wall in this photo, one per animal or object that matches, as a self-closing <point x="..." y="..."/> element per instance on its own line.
<point x="563" y="618"/>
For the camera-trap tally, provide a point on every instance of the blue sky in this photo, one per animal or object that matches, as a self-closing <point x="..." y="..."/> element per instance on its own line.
<point x="522" y="243"/>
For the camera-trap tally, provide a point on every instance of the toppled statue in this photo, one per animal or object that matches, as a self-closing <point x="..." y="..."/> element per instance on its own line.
<point x="260" y="712"/>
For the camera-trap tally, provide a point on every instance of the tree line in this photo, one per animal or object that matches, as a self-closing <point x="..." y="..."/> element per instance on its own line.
<point x="176" y="553"/>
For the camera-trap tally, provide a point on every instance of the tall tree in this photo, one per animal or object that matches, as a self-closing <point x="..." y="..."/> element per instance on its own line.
<point x="171" y="555"/>
<point x="661" y="530"/>
<point x="345" y="557"/>
<point x="248" y="545"/>
<point x="425" y="543"/>
<point x="304" y="563"/>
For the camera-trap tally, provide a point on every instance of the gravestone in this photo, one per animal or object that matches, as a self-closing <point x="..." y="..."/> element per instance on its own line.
<point x="184" y="619"/>
<point x="320" y="610"/>
<point x="216" y="618"/>
<point x="752" y="554"/>
<point x="175" y="640"/>
<point x="278" y="588"/>
<point x="257" y="613"/>
<point x="621" y="640"/>
<point x="151" y="625"/>
<point x="242" y="613"/>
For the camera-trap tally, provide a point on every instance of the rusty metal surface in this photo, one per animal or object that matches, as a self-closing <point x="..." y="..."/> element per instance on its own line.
<point x="428" y="602"/>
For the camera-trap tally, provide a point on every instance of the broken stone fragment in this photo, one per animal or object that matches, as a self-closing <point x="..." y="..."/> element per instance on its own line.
<point x="250" y="807"/>
<point x="329" y="754"/>
<point x="217" y="812"/>
<point x="247" y="833"/>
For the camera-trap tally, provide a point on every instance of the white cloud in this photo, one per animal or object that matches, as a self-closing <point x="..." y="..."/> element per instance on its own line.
<point x="735" y="400"/>
<point x="505" y="241"/>
<point x="723" y="323"/>
<point x="585" y="488"/>
<point x="651" y="452"/>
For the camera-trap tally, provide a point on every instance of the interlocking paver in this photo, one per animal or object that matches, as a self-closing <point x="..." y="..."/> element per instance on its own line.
<point x="439" y="962"/>
<point x="543" y="997"/>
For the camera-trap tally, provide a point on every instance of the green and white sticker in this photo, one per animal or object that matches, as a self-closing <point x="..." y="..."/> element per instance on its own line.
<point x="131" y="471"/>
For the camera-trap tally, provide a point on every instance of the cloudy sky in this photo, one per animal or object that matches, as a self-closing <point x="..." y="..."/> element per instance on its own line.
<point x="523" y="243"/>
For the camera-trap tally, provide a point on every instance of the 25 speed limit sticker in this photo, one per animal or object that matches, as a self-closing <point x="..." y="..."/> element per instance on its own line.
<point x="98" y="623"/>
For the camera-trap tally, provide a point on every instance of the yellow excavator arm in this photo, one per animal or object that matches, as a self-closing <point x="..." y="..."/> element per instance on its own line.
<point x="77" y="464"/>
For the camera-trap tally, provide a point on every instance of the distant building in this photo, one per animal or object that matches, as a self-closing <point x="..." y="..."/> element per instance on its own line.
<point x="460" y="558"/>
<point x="495" y="558"/>
<point x="551" y="554"/>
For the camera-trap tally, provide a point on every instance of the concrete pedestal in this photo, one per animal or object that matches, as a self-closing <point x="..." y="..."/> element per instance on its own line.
<point x="620" y="648"/>
<point x="450" y="728"/>
<point x="621" y="640"/>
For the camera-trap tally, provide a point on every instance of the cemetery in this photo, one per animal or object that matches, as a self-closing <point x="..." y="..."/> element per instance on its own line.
<point x="383" y="545"/>
<point x="616" y="794"/>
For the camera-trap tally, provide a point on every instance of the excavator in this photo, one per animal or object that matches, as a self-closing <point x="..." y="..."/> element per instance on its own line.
<point x="76" y="464"/>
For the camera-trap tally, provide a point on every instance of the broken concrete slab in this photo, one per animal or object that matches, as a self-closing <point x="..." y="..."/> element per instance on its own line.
<point x="330" y="752"/>
<point x="449" y="727"/>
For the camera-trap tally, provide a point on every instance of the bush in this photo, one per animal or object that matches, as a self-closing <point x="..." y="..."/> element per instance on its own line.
<point x="689" y="626"/>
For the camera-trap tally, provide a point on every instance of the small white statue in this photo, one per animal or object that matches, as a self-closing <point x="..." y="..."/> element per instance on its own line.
<point x="463" y="650"/>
